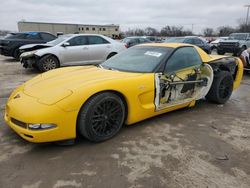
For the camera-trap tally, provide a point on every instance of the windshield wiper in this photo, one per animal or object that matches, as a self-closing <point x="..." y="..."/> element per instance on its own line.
<point x="105" y="67"/>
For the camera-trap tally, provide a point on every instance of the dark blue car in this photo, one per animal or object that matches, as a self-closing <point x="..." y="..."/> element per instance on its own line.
<point x="9" y="46"/>
<point x="191" y="40"/>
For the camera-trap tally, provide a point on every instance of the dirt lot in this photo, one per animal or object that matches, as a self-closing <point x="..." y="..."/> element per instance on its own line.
<point x="204" y="146"/>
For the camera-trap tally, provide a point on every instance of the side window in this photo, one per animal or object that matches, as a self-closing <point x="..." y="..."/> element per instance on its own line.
<point x="78" y="41"/>
<point x="189" y="41"/>
<point x="198" y="41"/>
<point x="47" y="37"/>
<point x="133" y="41"/>
<point x="142" y="40"/>
<point x="183" y="58"/>
<point x="33" y="36"/>
<point x="97" y="40"/>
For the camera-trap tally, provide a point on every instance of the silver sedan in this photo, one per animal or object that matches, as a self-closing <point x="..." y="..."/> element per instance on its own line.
<point x="71" y="49"/>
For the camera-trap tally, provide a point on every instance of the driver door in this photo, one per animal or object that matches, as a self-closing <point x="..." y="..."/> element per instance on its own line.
<point x="185" y="78"/>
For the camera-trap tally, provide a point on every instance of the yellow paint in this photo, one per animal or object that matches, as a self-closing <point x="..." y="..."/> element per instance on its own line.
<point x="57" y="96"/>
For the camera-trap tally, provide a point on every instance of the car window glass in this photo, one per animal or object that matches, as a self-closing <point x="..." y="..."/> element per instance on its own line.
<point x="142" y="40"/>
<point x="183" y="58"/>
<point x="97" y="40"/>
<point x="189" y="41"/>
<point x="198" y="41"/>
<point x="133" y="41"/>
<point x="138" y="59"/>
<point x="33" y="36"/>
<point x="47" y="37"/>
<point x="78" y="41"/>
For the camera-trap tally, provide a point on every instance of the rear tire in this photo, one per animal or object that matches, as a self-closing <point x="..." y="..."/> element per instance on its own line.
<point x="101" y="117"/>
<point x="47" y="63"/>
<point x="221" y="89"/>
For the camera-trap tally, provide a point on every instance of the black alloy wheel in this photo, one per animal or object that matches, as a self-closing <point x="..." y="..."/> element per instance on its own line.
<point x="222" y="88"/>
<point x="225" y="88"/>
<point x="101" y="117"/>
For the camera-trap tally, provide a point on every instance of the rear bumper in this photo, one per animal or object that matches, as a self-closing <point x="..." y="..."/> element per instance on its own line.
<point x="27" y="110"/>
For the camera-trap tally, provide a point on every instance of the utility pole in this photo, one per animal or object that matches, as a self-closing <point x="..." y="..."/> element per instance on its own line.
<point x="248" y="6"/>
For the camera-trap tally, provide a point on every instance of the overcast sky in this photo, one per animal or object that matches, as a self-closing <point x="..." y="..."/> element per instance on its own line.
<point x="128" y="14"/>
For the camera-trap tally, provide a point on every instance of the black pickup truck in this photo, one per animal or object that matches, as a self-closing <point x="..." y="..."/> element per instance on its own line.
<point x="9" y="46"/>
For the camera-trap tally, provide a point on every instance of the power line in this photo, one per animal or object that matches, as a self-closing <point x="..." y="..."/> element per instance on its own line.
<point x="248" y="6"/>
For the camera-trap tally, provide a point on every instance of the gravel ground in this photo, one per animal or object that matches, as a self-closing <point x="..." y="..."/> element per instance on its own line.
<point x="204" y="146"/>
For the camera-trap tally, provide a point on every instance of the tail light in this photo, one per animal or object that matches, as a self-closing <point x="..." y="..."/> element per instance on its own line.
<point x="126" y="45"/>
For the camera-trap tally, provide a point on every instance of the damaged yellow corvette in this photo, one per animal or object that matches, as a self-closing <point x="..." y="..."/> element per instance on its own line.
<point x="142" y="82"/>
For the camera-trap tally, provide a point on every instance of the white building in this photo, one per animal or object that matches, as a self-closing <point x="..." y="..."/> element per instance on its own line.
<point x="66" y="28"/>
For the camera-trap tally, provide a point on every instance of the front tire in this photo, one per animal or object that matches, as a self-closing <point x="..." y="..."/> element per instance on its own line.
<point x="221" y="89"/>
<point x="220" y="52"/>
<point x="101" y="117"/>
<point x="16" y="54"/>
<point x="47" y="63"/>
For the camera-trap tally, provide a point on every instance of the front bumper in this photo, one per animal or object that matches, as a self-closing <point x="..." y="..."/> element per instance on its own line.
<point x="29" y="62"/>
<point x="5" y="51"/>
<point x="25" y="109"/>
<point x="229" y="49"/>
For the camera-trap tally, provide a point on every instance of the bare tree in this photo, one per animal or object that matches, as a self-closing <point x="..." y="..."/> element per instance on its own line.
<point x="208" y="32"/>
<point x="150" y="31"/>
<point x="225" y="30"/>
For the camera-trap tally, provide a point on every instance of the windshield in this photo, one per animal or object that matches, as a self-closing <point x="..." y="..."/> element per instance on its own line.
<point x="175" y="40"/>
<point x="138" y="59"/>
<point x="238" y="36"/>
<point x="60" y="39"/>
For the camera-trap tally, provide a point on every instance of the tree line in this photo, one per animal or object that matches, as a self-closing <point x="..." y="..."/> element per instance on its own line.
<point x="174" y="31"/>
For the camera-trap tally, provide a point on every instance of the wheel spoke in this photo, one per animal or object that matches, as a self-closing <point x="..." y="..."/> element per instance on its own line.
<point x="106" y="117"/>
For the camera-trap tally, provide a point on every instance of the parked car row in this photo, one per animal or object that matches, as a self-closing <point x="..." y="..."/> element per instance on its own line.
<point x="45" y="51"/>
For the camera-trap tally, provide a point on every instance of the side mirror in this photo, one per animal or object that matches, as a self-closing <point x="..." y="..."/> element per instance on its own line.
<point x="65" y="44"/>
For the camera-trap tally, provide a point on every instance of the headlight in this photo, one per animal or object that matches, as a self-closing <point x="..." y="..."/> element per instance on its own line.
<point x="30" y="53"/>
<point x="41" y="126"/>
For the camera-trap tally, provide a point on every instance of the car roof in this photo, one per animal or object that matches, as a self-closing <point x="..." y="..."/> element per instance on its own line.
<point x="134" y="37"/>
<point x="30" y="32"/>
<point x="86" y="34"/>
<point x="204" y="56"/>
<point x="167" y="45"/>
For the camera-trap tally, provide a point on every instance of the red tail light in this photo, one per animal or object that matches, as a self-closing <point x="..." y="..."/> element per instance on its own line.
<point x="126" y="45"/>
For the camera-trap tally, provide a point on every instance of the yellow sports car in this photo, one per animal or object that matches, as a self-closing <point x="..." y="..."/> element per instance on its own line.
<point x="142" y="82"/>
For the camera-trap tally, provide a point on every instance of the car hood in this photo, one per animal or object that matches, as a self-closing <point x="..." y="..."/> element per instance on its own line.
<point x="29" y="47"/>
<point x="53" y="86"/>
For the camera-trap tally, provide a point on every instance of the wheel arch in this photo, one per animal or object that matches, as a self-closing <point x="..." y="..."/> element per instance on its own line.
<point x="51" y="55"/>
<point x="111" y="54"/>
<point x="121" y="95"/>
